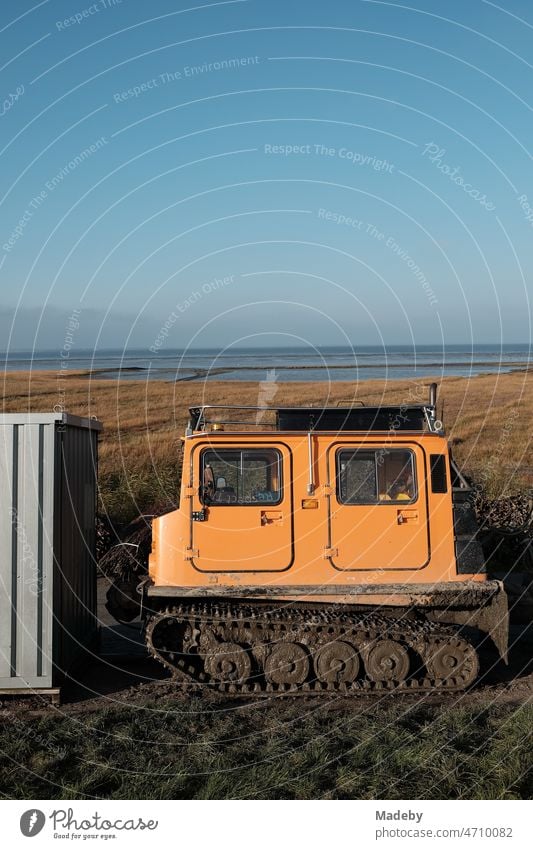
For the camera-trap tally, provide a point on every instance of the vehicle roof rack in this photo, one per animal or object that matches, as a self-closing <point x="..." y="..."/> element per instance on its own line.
<point x="392" y="417"/>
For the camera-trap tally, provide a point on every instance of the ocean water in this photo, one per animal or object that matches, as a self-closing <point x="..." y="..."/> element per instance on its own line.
<point x="283" y="364"/>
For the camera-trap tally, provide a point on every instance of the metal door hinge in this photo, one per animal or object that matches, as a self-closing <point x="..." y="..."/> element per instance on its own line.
<point x="330" y="552"/>
<point x="199" y="515"/>
<point x="189" y="491"/>
<point x="191" y="553"/>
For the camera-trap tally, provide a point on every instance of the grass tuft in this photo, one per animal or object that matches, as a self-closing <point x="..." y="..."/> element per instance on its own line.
<point x="275" y="751"/>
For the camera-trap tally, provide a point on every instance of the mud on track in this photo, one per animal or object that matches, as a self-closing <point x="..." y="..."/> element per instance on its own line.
<point x="119" y="673"/>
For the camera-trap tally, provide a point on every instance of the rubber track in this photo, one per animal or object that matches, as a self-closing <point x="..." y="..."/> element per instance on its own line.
<point x="310" y="625"/>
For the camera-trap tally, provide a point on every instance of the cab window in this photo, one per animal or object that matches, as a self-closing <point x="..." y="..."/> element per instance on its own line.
<point x="375" y="476"/>
<point x="241" y="477"/>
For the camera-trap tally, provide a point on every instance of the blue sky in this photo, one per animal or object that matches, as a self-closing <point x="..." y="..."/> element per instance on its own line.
<point x="316" y="173"/>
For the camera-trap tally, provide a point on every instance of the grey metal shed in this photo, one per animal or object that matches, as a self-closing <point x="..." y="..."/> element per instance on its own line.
<point x="48" y="490"/>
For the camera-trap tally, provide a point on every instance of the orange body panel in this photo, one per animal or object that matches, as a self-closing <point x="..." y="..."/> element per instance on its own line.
<point x="308" y="537"/>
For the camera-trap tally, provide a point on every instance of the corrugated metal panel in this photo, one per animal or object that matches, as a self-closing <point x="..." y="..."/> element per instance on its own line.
<point x="76" y="619"/>
<point x="47" y="568"/>
<point x="8" y="543"/>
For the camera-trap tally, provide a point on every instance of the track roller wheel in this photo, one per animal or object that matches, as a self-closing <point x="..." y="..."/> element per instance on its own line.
<point x="337" y="662"/>
<point x="452" y="659"/>
<point x="387" y="660"/>
<point x="228" y="662"/>
<point x="287" y="663"/>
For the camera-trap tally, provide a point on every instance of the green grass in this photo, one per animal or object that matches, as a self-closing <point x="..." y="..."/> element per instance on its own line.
<point x="194" y="750"/>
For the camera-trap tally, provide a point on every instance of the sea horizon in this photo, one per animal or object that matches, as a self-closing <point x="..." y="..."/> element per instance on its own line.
<point x="284" y="363"/>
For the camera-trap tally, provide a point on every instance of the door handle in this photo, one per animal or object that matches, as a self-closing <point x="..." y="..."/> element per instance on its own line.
<point x="406" y="516"/>
<point x="271" y="517"/>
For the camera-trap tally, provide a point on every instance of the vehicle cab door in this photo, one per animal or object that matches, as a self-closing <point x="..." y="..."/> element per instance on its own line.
<point x="242" y="513"/>
<point x="378" y="517"/>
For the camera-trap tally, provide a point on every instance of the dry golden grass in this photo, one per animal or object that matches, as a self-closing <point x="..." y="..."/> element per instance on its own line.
<point x="488" y="419"/>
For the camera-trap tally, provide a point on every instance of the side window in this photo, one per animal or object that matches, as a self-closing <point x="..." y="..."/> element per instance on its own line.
<point x="241" y="477"/>
<point x="438" y="473"/>
<point x="357" y="477"/>
<point x="375" y="476"/>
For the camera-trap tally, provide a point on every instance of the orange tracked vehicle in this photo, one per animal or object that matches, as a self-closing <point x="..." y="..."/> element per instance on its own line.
<point x="320" y="549"/>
